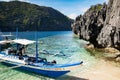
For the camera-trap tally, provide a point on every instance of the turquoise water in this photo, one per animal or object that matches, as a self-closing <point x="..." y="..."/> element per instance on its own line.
<point x="53" y="42"/>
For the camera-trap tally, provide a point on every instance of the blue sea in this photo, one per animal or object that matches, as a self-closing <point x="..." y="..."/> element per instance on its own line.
<point x="54" y="42"/>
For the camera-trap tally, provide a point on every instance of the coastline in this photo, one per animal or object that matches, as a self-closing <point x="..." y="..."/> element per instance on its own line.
<point x="106" y="67"/>
<point x="109" y="53"/>
<point x="101" y="71"/>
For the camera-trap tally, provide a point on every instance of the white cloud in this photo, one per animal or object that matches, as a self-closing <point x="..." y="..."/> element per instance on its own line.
<point x="83" y="9"/>
<point x="106" y="1"/>
<point x="73" y="15"/>
<point x="13" y="0"/>
<point x="80" y="10"/>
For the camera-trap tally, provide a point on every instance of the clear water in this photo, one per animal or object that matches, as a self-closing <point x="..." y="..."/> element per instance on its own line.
<point x="53" y="42"/>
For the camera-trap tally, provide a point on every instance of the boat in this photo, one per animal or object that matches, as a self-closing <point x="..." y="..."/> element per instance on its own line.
<point x="35" y="63"/>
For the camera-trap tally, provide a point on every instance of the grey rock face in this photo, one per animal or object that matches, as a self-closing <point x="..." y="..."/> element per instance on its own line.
<point x="90" y="24"/>
<point x="100" y="25"/>
<point x="110" y="33"/>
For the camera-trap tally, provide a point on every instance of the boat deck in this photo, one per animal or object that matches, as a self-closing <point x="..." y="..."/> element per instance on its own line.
<point x="12" y="58"/>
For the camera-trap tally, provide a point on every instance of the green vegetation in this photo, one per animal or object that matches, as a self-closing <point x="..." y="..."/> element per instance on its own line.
<point x="96" y="53"/>
<point x="28" y="17"/>
<point x="96" y="7"/>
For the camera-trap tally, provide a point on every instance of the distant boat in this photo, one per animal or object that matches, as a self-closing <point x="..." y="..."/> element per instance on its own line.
<point x="33" y="64"/>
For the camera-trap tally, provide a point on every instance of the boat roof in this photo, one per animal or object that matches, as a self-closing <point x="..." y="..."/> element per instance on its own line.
<point x="5" y="41"/>
<point x="23" y="41"/>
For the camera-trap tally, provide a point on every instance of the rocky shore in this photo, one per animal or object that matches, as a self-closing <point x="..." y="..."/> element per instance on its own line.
<point x="100" y="26"/>
<point x="108" y="53"/>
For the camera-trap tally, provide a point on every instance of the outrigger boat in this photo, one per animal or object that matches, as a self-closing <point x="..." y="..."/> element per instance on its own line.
<point x="34" y="64"/>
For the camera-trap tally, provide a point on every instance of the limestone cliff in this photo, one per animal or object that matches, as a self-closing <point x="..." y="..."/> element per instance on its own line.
<point x="100" y="25"/>
<point x="110" y="33"/>
<point x="90" y="24"/>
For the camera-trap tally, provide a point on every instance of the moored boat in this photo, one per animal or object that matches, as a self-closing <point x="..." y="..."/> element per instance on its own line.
<point x="34" y="64"/>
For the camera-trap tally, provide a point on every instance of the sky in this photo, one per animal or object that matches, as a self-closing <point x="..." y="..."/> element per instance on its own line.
<point x="70" y="8"/>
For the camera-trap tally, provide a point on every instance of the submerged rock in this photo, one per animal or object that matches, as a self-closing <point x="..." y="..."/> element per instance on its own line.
<point x="89" y="46"/>
<point x="118" y="59"/>
<point x="111" y="50"/>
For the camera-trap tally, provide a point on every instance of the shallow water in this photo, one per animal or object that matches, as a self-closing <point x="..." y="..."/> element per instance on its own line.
<point x="54" y="42"/>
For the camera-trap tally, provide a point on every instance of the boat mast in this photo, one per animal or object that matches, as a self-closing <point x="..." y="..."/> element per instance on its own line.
<point x="17" y="33"/>
<point x="17" y="37"/>
<point x="0" y="45"/>
<point x="0" y="39"/>
<point x="36" y="35"/>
